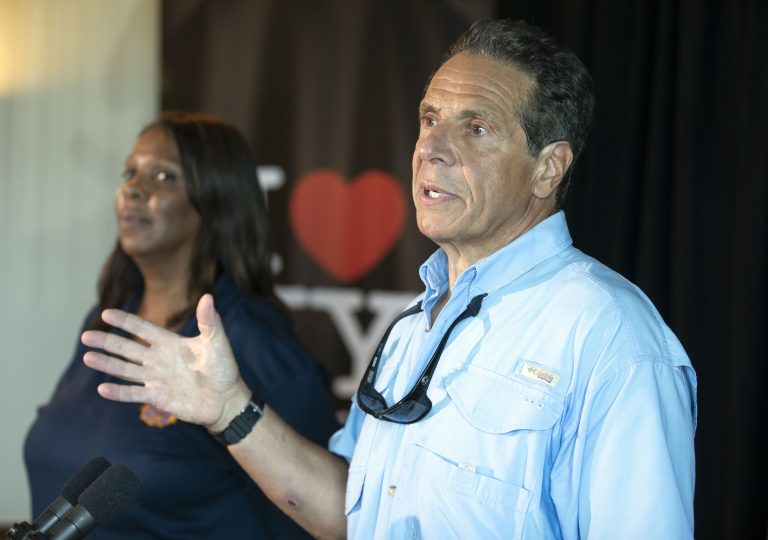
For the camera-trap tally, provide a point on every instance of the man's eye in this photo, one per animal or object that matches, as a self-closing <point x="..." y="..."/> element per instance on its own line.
<point x="428" y="121"/>
<point x="478" y="129"/>
<point x="128" y="174"/>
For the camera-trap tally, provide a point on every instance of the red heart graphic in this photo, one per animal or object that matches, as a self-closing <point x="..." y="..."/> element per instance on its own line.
<point x="347" y="228"/>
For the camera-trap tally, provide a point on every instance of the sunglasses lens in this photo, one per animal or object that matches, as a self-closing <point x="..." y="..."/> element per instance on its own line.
<point x="410" y="411"/>
<point x="406" y="412"/>
<point x="370" y="400"/>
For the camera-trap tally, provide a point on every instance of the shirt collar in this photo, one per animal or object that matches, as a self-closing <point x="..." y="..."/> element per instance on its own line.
<point x="434" y="274"/>
<point x="544" y="240"/>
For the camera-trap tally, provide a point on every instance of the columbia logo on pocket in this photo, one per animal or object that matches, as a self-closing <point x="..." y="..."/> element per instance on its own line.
<point x="540" y="374"/>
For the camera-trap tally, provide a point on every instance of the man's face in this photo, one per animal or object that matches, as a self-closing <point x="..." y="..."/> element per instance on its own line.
<point x="472" y="175"/>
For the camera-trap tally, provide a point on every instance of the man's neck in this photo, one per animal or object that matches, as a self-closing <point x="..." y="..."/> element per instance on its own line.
<point x="462" y="255"/>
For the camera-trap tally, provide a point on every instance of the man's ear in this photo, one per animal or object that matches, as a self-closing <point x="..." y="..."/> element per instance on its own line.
<point x="551" y="166"/>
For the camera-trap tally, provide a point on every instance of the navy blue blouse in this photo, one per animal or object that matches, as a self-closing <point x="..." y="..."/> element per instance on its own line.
<point x="192" y="488"/>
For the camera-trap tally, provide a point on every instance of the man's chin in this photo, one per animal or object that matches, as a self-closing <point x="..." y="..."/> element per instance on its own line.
<point x="437" y="230"/>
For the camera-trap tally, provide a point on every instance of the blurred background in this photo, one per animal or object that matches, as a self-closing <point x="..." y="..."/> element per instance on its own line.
<point x="670" y="191"/>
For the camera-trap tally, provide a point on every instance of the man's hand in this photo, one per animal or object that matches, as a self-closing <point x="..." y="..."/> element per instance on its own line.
<point x="195" y="379"/>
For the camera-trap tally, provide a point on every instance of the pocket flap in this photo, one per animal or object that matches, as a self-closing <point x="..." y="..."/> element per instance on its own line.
<point x="497" y="404"/>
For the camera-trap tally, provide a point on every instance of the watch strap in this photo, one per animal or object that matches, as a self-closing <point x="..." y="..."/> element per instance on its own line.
<point x="242" y="424"/>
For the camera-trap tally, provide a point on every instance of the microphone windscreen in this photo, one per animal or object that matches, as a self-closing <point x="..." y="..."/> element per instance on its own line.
<point x="111" y="493"/>
<point x="74" y="487"/>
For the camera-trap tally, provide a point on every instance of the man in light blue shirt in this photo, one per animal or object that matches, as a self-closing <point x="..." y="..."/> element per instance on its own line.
<point x="529" y="392"/>
<point x="582" y="428"/>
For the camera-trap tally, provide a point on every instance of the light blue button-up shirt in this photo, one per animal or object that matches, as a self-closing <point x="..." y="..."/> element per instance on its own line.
<point x="565" y="409"/>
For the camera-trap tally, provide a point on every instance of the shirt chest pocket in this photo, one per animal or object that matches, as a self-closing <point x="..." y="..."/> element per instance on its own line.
<point x="480" y="454"/>
<point x="496" y="404"/>
<point x="494" y="426"/>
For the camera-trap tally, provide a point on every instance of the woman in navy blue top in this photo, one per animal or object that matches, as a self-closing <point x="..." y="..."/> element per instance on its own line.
<point x="191" y="219"/>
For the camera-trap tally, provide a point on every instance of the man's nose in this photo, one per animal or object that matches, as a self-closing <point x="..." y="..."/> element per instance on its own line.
<point x="435" y="146"/>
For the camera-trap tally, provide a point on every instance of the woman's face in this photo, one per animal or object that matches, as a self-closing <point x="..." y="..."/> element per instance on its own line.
<point x="155" y="219"/>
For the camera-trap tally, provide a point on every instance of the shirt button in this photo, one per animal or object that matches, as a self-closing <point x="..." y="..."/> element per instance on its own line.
<point x="391" y="490"/>
<point x="426" y="328"/>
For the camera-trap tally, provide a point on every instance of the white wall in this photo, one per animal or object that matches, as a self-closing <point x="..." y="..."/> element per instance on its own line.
<point x="78" y="79"/>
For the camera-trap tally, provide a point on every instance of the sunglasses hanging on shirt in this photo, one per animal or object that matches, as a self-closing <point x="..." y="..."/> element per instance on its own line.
<point x="415" y="405"/>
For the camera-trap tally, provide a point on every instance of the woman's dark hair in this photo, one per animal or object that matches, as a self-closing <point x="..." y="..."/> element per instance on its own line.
<point x="222" y="185"/>
<point x="559" y="105"/>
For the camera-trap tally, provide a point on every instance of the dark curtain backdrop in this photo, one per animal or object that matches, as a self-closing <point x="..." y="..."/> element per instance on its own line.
<point x="671" y="190"/>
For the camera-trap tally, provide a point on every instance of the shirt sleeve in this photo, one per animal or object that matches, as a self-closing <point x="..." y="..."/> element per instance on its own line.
<point x="343" y="442"/>
<point x="637" y="466"/>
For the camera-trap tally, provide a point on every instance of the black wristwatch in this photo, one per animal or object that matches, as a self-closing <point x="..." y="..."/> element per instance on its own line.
<point x="242" y="424"/>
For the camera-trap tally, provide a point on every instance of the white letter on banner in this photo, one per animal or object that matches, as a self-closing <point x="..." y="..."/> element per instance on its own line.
<point x="342" y="305"/>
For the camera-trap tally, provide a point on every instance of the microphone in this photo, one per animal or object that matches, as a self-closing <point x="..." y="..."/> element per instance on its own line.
<point x="67" y="499"/>
<point x="110" y="494"/>
<point x="70" y="492"/>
